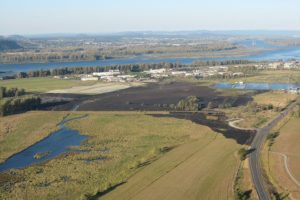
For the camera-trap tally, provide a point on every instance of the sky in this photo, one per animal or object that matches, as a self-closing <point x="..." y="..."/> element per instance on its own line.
<point x="106" y="16"/>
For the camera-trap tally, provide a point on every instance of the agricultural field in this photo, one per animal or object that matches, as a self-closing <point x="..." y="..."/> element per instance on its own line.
<point x="139" y="152"/>
<point x="199" y="170"/>
<point x="285" y="174"/>
<point x="43" y="84"/>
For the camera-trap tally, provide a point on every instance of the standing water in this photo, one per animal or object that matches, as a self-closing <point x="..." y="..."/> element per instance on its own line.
<point x="257" y="86"/>
<point x="46" y="149"/>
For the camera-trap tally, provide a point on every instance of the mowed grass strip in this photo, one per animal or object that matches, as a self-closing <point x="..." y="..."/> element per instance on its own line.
<point x="120" y="145"/>
<point x="43" y="84"/>
<point x="18" y="132"/>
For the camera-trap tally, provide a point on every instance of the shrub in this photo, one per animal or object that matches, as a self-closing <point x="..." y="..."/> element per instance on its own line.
<point x="191" y="103"/>
<point x="271" y="138"/>
<point x="19" y="104"/>
<point x="243" y="153"/>
<point x="210" y="105"/>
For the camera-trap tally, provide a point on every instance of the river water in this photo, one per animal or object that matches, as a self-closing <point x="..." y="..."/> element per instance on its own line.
<point x="279" y="54"/>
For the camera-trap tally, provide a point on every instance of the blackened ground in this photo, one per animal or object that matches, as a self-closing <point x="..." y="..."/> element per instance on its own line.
<point x="153" y="97"/>
<point x="219" y="126"/>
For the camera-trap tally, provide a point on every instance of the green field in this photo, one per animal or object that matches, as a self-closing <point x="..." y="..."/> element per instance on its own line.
<point x="42" y="84"/>
<point x="172" y="157"/>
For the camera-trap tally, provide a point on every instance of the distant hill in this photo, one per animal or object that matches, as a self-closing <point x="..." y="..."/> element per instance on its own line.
<point x="6" y="45"/>
<point x="16" y="38"/>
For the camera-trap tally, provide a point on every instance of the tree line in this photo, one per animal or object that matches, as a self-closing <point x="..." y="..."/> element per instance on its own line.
<point x="32" y="57"/>
<point x="88" y="70"/>
<point x="124" y="68"/>
<point x="62" y="52"/>
<point x="222" y="62"/>
<point x="15" y="100"/>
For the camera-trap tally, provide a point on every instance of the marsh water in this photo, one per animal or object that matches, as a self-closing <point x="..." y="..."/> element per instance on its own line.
<point x="51" y="147"/>
<point x="283" y="53"/>
<point x="257" y="86"/>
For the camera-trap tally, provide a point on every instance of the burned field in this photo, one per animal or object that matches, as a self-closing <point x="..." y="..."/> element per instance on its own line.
<point x="153" y="97"/>
<point x="219" y="126"/>
<point x="163" y="97"/>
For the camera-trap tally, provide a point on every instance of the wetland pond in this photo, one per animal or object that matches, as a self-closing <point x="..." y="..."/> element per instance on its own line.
<point x="257" y="86"/>
<point x="50" y="147"/>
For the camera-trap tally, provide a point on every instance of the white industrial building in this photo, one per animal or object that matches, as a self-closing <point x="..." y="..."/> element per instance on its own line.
<point x="109" y="73"/>
<point x="178" y="73"/>
<point x="156" y="71"/>
<point x="89" y="78"/>
<point x="294" y="91"/>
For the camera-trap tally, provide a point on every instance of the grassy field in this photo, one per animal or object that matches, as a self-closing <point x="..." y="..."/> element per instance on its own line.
<point x="287" y="143"/>
<point x="162" y="158"/>
<point x="43" y="84"/>
<point x="265" y="76"/>
<point x="245" y="182"/>
<point x="250" y="119"/>
<point x="203" y="169"/>
<point x="20" y="131"/>
<point x="258" y="119"/>
<point x="277" y="99"/>
<point x="278" y="76"/>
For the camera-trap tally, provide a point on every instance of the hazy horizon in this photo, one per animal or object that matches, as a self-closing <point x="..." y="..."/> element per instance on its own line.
<point x="273" y="31"/>
<point x="33" y="17"/>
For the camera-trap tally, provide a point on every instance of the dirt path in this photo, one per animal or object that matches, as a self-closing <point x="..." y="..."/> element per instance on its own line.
<point x="287" y="169"/>
<point x="232" y="123"/>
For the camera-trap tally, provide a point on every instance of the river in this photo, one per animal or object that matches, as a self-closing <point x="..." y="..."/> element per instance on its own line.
<point x="279" y="54"/>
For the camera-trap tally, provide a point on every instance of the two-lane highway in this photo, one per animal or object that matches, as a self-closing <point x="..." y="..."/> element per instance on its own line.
<point x="254" y="157"/>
